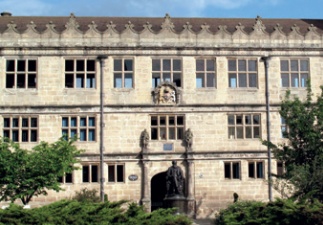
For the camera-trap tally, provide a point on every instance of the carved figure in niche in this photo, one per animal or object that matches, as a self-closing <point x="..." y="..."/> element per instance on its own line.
<point x="174" y="181"/>
<point x="189" y="138"/>
<point x="166" y="95"/>
<point x="145" y="139"/>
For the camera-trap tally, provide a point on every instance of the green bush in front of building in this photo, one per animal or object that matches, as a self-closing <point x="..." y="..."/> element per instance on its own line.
<point x="86" y="212"/>
<point x="278" y="212"/>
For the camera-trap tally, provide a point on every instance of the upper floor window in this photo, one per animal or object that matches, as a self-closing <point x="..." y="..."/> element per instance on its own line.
<point x="242" y="73"/>
<point x="116" y="173"/>
<point x="205" y="73"/>
<point x="79" y="73"/>
<point x="167" y="127"/>
<point x="294" y="72"/>
<point x="244" y="126"/>
<point x="21" y="129"/>
<point x="283" y="128"/>
<point x="21" y="73"/>
<point x="82" y="126"/>
<point x="166" y="70"/>
<point x="123" y="73"/>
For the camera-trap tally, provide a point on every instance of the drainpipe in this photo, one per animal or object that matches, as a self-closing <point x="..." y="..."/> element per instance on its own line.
<point x="265" y="59"/>
<point x="102" y="180"/>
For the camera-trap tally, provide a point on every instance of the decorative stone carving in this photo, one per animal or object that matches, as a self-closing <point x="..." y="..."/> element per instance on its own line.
<point x="188" y="138"/>
<point x="166" y="93"/>
<point x="144" y="138"/>
<point x="167" y="24"/>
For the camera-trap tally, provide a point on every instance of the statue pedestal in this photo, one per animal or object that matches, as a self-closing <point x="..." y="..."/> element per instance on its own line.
<point x="178" y="202"/>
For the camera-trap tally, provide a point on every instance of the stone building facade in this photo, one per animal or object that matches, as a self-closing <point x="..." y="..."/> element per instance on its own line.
<point x="147" y="91"/>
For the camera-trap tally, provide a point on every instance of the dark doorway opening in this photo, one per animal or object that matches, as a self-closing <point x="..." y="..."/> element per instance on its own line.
<point x="158" y="191"/>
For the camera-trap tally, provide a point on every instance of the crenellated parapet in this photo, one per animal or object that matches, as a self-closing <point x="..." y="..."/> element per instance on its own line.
<point x="164" y="32"/>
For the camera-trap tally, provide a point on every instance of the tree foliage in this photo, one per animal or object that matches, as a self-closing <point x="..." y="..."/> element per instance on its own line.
<point x="302" y="154"/>
<point x="24" y="174"/>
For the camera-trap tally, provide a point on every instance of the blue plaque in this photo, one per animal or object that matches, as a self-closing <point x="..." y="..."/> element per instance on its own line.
<point x="168" y="147"/>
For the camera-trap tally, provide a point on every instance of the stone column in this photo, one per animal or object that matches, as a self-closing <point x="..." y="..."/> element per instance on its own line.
<point x="145" y="187"/>
<point x="190" y="189"/>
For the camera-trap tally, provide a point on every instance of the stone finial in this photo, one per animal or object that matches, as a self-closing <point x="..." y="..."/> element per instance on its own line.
<point x="187" y="26"/>
<point x="205" y="27"/>
<point x="129" y="26"/>
<point x="72" y="23"/>
<point x="167" y="24"/>
<point x="92" y="25"/>
<point x="279" y="28"/>
<point x="259" y="26"/>
<point x="312" y="28"/>
<point x="239" y="27"/>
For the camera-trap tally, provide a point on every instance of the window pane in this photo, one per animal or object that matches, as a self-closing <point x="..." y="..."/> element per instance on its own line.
<point x="171" y="120"/>
<point x="180" y="133"/>
<point x="118" y="80"/>
<point x="15" y="136"/>
<point x="294" y="65"/>
<point x="6" y="133"/>
<point x="177" y="65"/>
<point x="252" y="80"/>
<point x="154" y="121"/>
<point x="85" y="173"/>
<point x="162" y="120"/>
<point x="155" y="79"/>
<point x="21" y="81"/>
<point x="248" y="132"/>
<point x="227" y="170"/>
<point x="177" y="79"/>
<point x="199" y="65"/>
<point x="239" y="120"/>
<point x="166" y="65"/>
<point x="232" y="64"/>
<point x="231" y="120"/>
<point x="68" y="178"/>
<point x="33" y="136"/>
<point x="166" y="77"/>
<point x="111" y="173"/>
<point x="260" y="173"/>
<point x="239" y="132"/>
<point x="304" y="65"/>
<point x="232" y="80"/>
<point x="91" y="121"/>
<point x="231" y="132"/>
<point x="199" y="80"/>
<point x="256" y="132"/>
<point x="242" y="80"/>
<point x="256" y="119"/>
<point x="251" y="169"/>
<point x="242" y="65"/>
<point x="304" y="78"/>
<point x="128" y="65"/>
<point x="31" y="80"/>
<point x="210" y="80"/>
<point x="90" y="65"/>
<point x="252" y="65"/>
<point x="180" y="120"/>
<point x="24" y="122"/>
<point x="162" y="135"/>
<point x="117" y="65"/>
<point x="34" y="122"/>
<point x="10" y="66"/>
<point x="247" y="119"/>
<point x="15" y="122"/>
<point x="90" y="81"/>
<point x="91" y="135"/>
<point x="128" y="81"/>
<point x="294" y="80"/>
<point x="154" y="134"/>
<point x="21" y="66"/>
<point x="171" y="133"/>
<point x="73" y="122"/>
<point x="79" y="65"/>
<point x="236" y="171"/>
<point x="285" y="80"/>
<point x="95" y="173"/>
<point x="69" y="65"/>
<point x="284" y="65"/>
<point x="65" y="122"/>
<point x="10" y="81"/>
<point x="210" y="65"/>
<point x="156" y="65"/>
<point x="120" y="173"/>
<point x="82" y="135"/>
<point x="83" y="122"/>
<point x="24" y="135"/>
<point x="6" y="122"/>
<point x="69" y="80"/>
<point x="80" y="80"/>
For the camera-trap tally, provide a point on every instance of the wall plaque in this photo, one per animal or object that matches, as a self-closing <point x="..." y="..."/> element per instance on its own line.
<point x="133" y="177"/>
<point x="168" y="147"/>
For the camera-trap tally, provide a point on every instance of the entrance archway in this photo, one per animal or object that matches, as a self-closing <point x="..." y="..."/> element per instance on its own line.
<point x="158" y="191"/>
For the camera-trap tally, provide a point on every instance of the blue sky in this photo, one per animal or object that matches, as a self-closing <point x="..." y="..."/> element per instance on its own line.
<point x="176" y="8"/>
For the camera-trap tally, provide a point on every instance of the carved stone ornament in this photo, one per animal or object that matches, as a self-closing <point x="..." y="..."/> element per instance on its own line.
<point x="166" y="93"/>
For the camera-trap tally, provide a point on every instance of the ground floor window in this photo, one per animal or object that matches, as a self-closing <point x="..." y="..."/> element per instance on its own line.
<point x="256" y="169"/>
<point x="90" y="173"/>
<point x="244" y="126"/>
<point x="232" y="170"/>
<point x="116" y="173"/>
<point x="67" y="179"/>
<point x="82" y="126"/>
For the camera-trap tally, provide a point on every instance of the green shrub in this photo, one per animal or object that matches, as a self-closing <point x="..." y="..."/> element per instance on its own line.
<point x="86" y="212"/>
<point x="86" y="195"/>
<point x="279" y="212"/>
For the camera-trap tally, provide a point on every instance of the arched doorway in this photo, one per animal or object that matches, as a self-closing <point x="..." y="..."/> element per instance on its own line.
<point x="158" y="191"/>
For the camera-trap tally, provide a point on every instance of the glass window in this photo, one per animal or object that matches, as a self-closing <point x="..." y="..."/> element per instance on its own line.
<point x="123" y="73"/>
<point x="166" y="70"/>
<point x="242" y="73"/>
<point x="294" y="72"/>
<point x="84" y="127"/>
<point x="79" y="73"/>
<point x="244" y="126"/>
<point x="167" y="127"/>
<point x="205" y="73"/>
<point x="21" y="129"/>
<point x="21" y="73"/>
